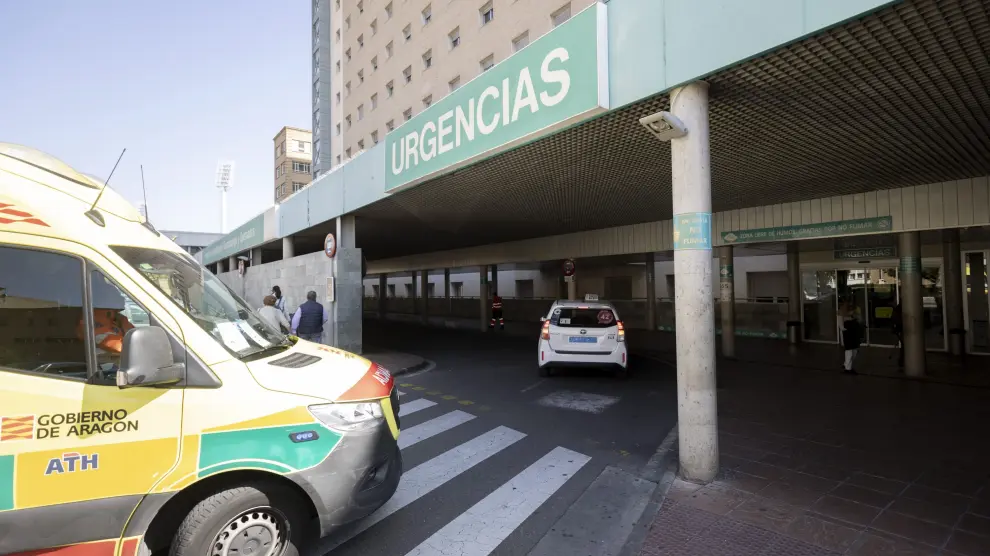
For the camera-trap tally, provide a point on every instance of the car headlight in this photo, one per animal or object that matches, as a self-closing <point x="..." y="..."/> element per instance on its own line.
<point x="349" y="417"/>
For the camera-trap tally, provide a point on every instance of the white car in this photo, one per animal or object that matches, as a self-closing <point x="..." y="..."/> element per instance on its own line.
<point x="583" y="334"/>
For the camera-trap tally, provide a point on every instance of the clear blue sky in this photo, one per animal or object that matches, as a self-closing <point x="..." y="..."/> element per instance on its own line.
<point x="180" y="84"/>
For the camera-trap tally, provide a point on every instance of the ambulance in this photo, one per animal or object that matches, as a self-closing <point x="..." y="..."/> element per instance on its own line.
<point x="146" y="409"/>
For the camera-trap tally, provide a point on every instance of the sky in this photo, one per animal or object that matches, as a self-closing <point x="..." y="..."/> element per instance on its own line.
<point x="179" y="84"/>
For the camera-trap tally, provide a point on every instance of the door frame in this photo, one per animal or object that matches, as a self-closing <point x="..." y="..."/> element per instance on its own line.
<point x="965" y="299"/>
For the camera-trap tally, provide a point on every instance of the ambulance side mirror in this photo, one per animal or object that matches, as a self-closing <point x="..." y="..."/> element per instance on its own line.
<point x="146" y="359"/>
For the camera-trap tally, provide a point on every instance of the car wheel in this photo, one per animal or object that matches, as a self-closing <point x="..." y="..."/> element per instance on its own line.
<point x="262" y="519"/>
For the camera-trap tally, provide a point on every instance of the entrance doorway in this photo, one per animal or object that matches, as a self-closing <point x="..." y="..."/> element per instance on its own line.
<point x="977" y="301"/>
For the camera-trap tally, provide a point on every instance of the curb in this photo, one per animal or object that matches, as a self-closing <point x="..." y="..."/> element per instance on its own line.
<point x="659" y="469"/>
<point x="424" y="365"/>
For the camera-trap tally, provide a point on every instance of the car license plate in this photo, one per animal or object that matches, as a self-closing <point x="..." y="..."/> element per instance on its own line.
<point x="582" y="340"/>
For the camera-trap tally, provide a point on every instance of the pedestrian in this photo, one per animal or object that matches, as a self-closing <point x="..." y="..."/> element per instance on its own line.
<point x="308" y="321"/>
<point x="852" y="336"/>
<point x="897" y="323"/>
<point x="497" y="313"/>
<point x="272" y="316"/>
<point x="279" y="300"/>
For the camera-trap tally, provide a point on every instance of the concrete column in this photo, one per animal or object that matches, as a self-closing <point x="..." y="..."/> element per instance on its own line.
<point x="446" y="289"/>
<point x="952" y="291"/>
<point x="232" y="263"/>
<point x="651" y="291"/>
<point x="572" y="288"/>
<point x="912" y="309"/>
<point x="220" y="267"/>
<point x="727" y="300"/>
<point x="256" y="256"/>
<point x="794" y="293"/>
<point x="347" y="313"/>
<point x="288" y="248"/>
<point x="483" y="296"/>
<point x="424" y="294"/>
<point x="494" y="287"/>
<point x="382" y="296"/>
<point x="697" y="413"/>
<point x="413" y="275"/>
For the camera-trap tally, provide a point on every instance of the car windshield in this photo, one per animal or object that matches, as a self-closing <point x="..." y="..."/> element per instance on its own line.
<point x="206" y="299"/>
<point x="583" y="317"/>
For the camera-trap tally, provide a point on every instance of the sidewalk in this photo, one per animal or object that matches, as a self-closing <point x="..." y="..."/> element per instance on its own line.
<point x="820" y="464"/>
<point x="396" y="362"/>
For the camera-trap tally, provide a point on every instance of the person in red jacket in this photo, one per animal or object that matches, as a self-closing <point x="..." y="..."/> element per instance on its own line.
<point x="497" y="312"/>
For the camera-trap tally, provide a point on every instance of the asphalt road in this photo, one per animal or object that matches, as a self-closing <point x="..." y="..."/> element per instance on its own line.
<point x="493" y="453"/>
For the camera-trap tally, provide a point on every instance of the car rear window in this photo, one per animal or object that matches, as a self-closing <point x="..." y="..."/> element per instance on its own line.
<point x="582" y="318"/>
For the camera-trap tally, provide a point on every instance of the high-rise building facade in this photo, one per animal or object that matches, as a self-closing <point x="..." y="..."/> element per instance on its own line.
<point x="293" y="161"/>
<point x="390" y="59"/>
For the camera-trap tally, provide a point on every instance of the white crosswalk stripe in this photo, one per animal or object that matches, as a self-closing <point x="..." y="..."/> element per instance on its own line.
<point x="479" y="530"/>
<point x="433" y="427"/>
<point x="414" y="406"/>
<point x="401" y="393"/>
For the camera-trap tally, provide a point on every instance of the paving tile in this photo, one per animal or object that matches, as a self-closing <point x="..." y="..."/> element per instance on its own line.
<point x="825" y="471"/>
<point x="785" y="546"/>
<point x="846" y="510"/>
<point x="740" y="539"/>
<point x="717" y="499"/>
<point x="879" y="484"/>
<point x="764" y="470"/>
<point x="927" y="494"/>
<point x="791" y="494"/>
<point x="968" y="544"/>
<point x="928" y="511"/>
<point x="824" y="533"/>
<point x="975" y="524"/>
<point x="862" y="495"/>
<point x="911" y="528"/>
<point x="785" y="461"/>
<point x="678" y="517"/>
<point x="766" y="513"/>
<point x="680" y="489"/>
<point x="742" y="481"/>
<point x="873" y="544"/>
<point x="952" y="480"/>
<point x="980" y="507"/>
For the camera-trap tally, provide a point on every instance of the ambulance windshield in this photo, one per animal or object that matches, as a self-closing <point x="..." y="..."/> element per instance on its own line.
<point x="206" y="299"/>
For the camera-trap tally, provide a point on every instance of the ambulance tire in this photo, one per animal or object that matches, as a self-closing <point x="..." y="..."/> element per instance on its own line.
<point x="275" y="504"/>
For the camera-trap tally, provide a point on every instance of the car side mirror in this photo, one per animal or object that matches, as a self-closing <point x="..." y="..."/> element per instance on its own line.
<point x="146" y="359"/>
<point x="543" y="319"/>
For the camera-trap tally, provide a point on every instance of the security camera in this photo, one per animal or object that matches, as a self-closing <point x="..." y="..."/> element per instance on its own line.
<point x="664" y="126"/>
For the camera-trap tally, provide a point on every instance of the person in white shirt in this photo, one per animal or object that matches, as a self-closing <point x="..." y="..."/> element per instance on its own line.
<point x="271" y="315"/>
<point x="279" y="300"/>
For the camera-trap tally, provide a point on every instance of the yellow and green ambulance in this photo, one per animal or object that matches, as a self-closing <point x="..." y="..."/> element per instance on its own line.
<point x="144" y="408"/>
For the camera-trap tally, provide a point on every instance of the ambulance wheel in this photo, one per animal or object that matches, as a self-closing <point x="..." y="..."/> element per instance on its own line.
<point x="261" y="519"/>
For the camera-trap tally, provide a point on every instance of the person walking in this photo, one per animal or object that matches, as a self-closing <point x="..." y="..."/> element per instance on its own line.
<point x="308" y="321"/>
<point x="497" y="313"/>
<point x="272" y="316"/>
<point x="279" y="300"/>
<point x="852" y="336"/>
<point x="897" y="323"/>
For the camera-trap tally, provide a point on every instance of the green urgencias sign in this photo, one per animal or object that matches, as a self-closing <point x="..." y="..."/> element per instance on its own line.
<point x="882" y="224"/>
<point x="247" y="235"/>
<point x="557" y="80"/>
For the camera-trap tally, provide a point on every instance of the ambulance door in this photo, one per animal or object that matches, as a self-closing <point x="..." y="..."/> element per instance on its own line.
<point x="77" y="453"/>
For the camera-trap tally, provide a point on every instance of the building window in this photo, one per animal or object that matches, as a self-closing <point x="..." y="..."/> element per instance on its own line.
<point x="338" y="36"/>
<point x="389" y="50"/>
<point x="347" y="53"/>
<point x="347" y="23"/>
<point x="428" y="59"/>
<point x="348" y="121"/>
<point x="374" y="27"/>
<point x="337" y="7"/>
<point x="520" y="42"/>
<point x="300" y="146"/>
<point x="360" y="145"/>
<point x="348" y="153"/>
<point x="360" y="6"/>
<point x="338" y="160"/>
<point x="347" y="89"/>
<point x="301" y="167"/>
<point x="561" y="15"/>
<point x="407" y="74"/>
<point x="391" y="290"/>
<point x="407" y="32"/>
<point x="388" y="11"/>
<point x="297" y="186"/>
<point x="427" y="14"/>
<point x="374" y="101"/>
<point x="360" y="75"/>
<point x="338" y="129"/>
<point x="338" y="66"/>
<point x="390" y="125"/>
<point x="407" y="114"/>
<point x="338" y="97"/>
<point x="427" y="101"/>
<point x="390" y="88"/>
<point x="487" y="13"/>
<point x="374" y="63"/>
<point x="360" y="112"/>
<point x="374" y="137"/>
<point x="361" y="40"/>
<point x="456" y="289"/>
<point x="454" y="83"/>
<point x="487" y="62"/>
<point x="455" y="37"/>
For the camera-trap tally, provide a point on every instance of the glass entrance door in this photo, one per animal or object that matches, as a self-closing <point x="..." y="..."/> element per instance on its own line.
<point x="977" y="302"/>
<point x="881" y="298"/>
<point x="851" y="285"/>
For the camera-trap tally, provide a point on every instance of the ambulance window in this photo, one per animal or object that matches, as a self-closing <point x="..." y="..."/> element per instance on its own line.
<point x="114" y="313"/>
<point x="41" y="313"/>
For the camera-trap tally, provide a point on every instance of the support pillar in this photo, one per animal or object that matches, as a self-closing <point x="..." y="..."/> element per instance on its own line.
<point x="347" y="308"/>
<point x="651" y="292"/>
<point x="727" y="301"/>
<point x="494" y="288"/>
<point x="952" y="291"/>
<point x="697" y="414"/>
<point x="288" y="248"/>
<point x="572" y="288"/>
<point x="794" y="293"/>
<point x="483" y="296"/>
<point x="232" y="263"/>
<point x="256" y="258"/>
<point x="424" y="294"/>
<point x="912" y="308"/>
<point x="382" y="296"/>
<point x="446" y="289"/>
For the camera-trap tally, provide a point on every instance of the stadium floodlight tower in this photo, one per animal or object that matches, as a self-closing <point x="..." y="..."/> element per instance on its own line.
<point x="225" y="180"/>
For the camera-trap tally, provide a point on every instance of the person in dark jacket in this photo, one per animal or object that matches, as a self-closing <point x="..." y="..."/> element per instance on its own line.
<point x="497" y="312"/>
<point x="852" y="337"/>
<point x="309" y="319"/>
<point x="897" y="324"/>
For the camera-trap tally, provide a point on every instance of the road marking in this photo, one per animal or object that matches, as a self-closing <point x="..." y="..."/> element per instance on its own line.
<point x="434" y="393"/>
<point x="466" y="402"/>
<point x="429" y="476"/>
<point x="414" y="406"/>
<point x="479" y="530"/>
<point x="433" y="427"/>
<point x="449" y="397"/>
<point x="407" y="385"/>
<point x="401" y="393"/>
<point x="578" y="401"/>
<point x="419" y="388"/>
<point x="531" y="386"/>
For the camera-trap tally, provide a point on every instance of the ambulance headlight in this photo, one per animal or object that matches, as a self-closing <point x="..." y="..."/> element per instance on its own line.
<point x="349" y="417"/>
